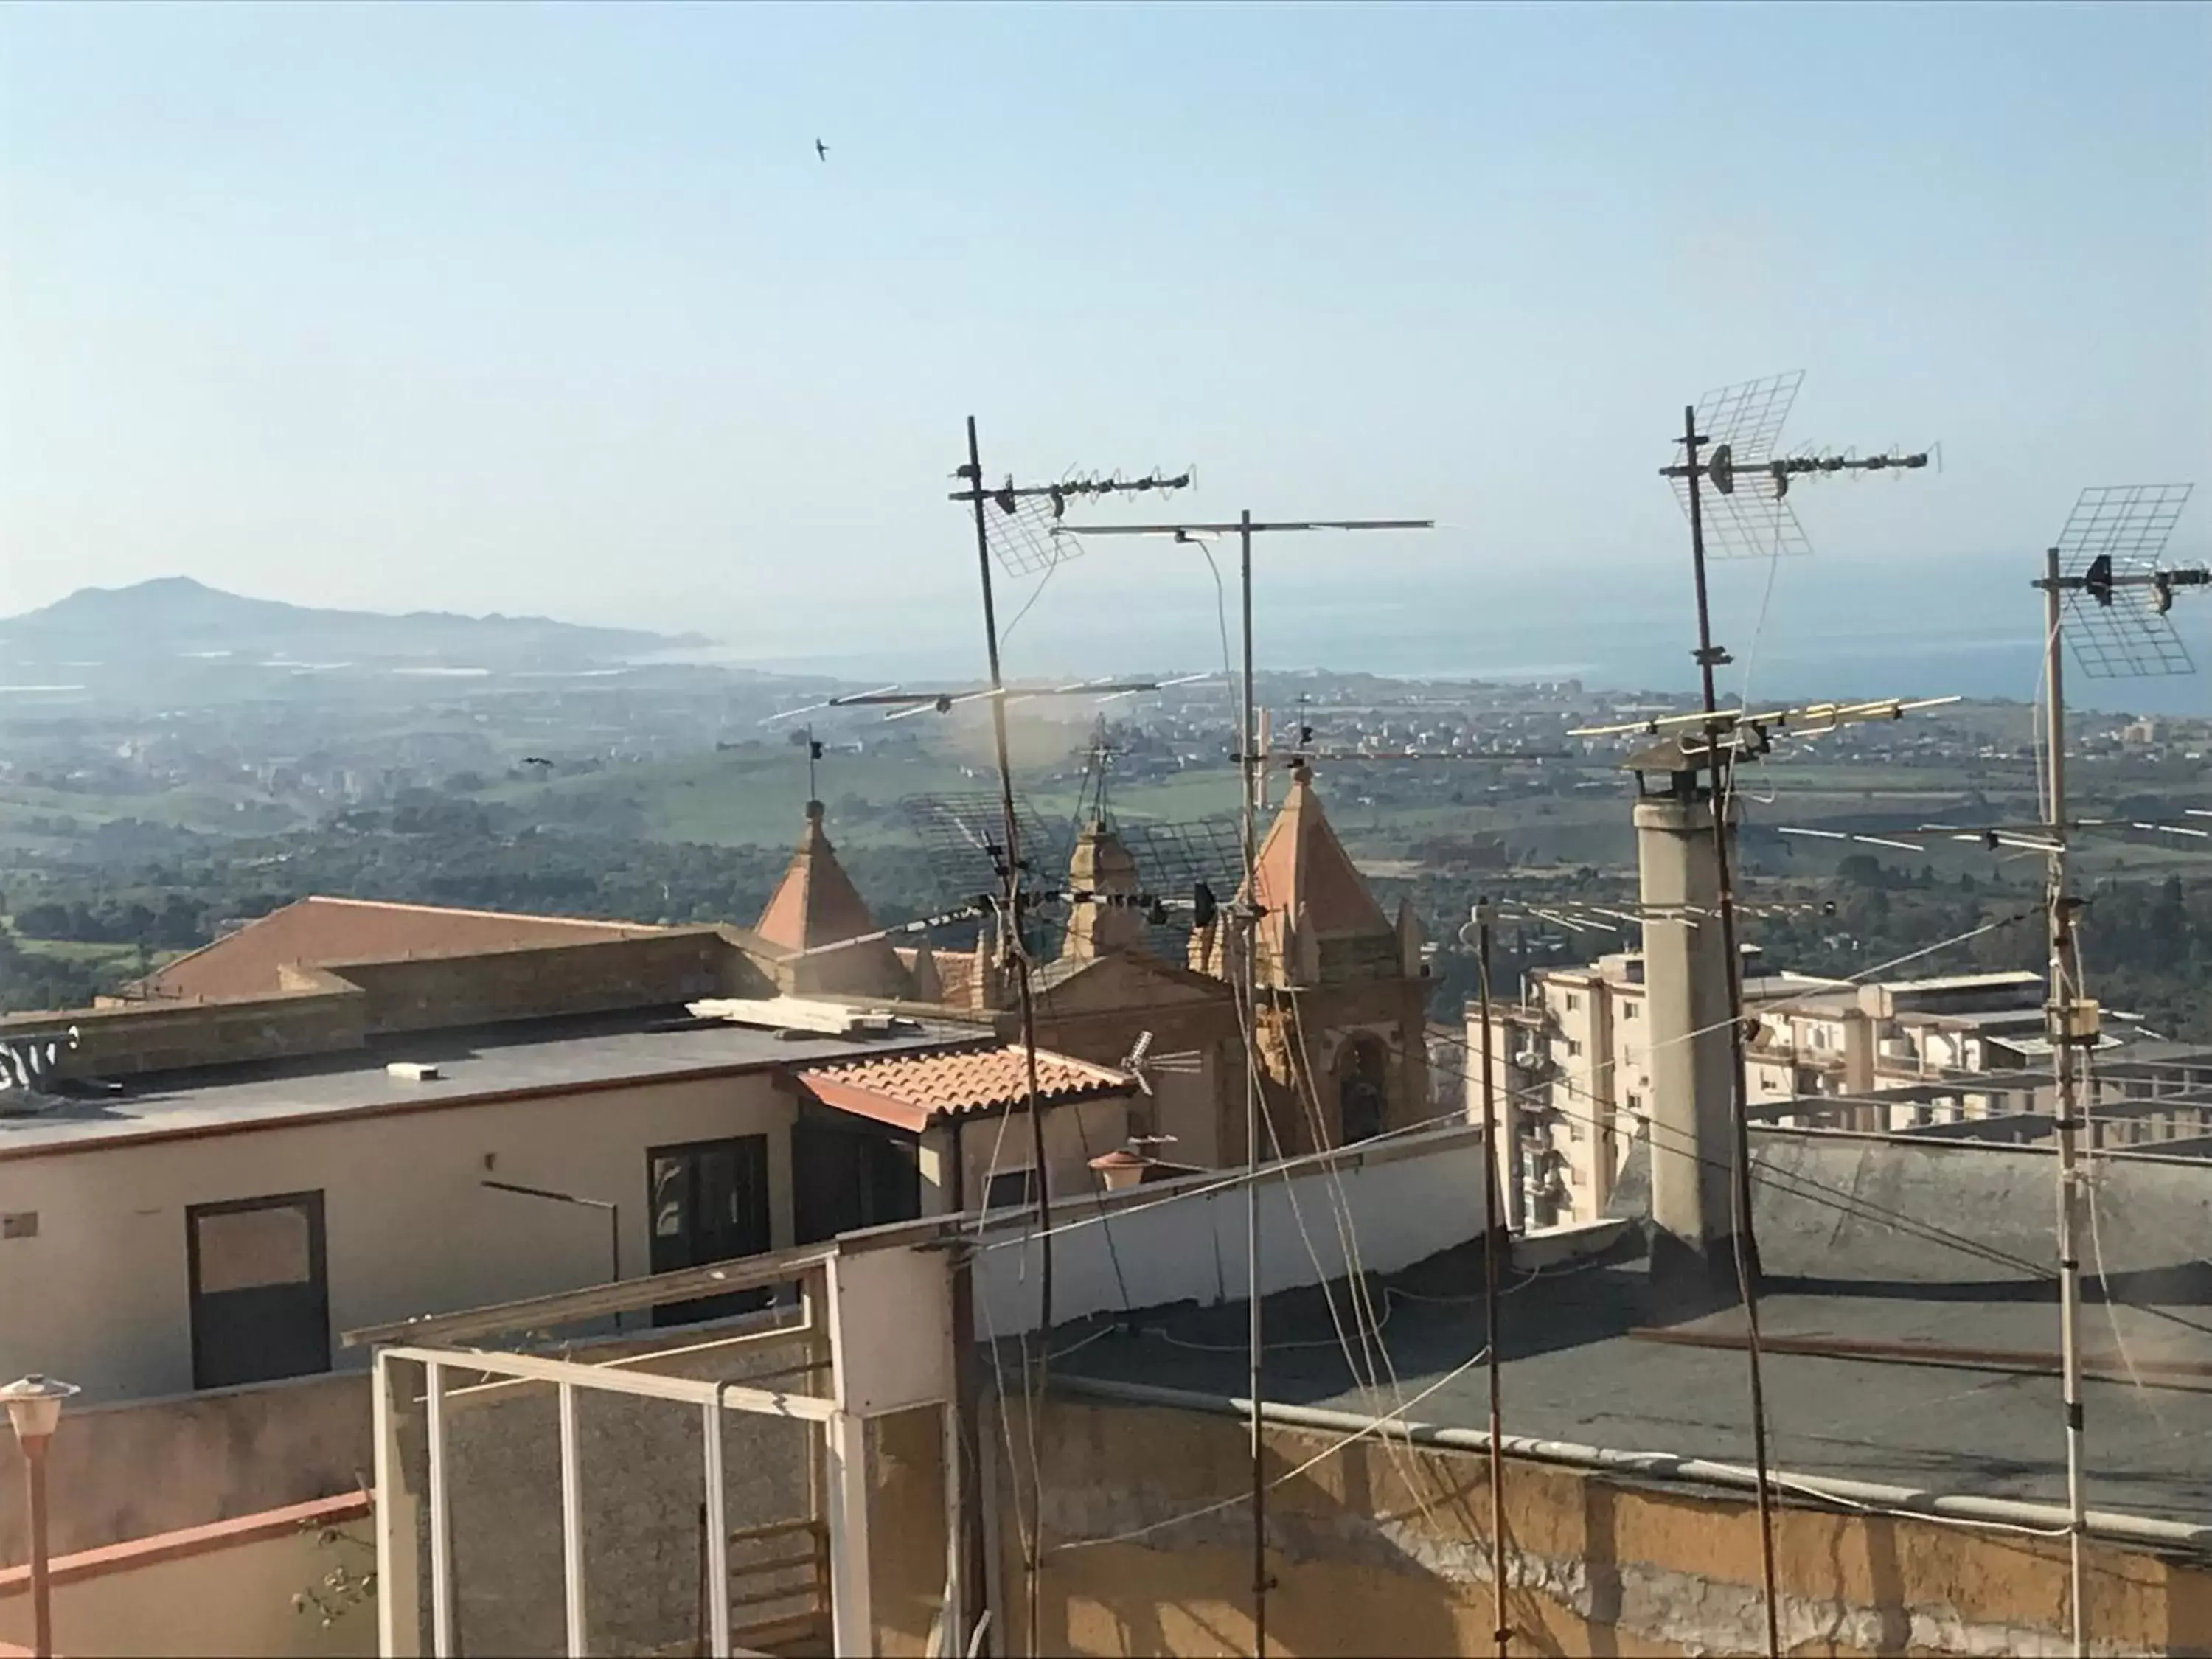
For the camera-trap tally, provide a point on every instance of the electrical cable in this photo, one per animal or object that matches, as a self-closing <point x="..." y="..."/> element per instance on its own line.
<point x="1372" y="1426"/>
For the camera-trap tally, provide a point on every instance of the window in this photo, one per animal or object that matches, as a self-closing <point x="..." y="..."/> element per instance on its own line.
<point x="1362" y="1092"/>
<point x="1631" y="1011"/>
<point x="1574" y="1002"/>
<point x="259" y="1290"/>
<point x="1010" y="1189"/>
<point x="1574" y="1049"/>
<point x="1574" y="1131"/>
<point x="708" y="1202"/>
<point x="1635" y="1104"/>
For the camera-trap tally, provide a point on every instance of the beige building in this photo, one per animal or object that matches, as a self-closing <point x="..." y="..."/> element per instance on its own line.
<point x="188" y="1232"/>
<point x="1574" y="1058"/>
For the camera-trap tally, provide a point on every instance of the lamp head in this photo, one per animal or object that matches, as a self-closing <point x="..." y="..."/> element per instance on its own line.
<point x="35" y="1404"/>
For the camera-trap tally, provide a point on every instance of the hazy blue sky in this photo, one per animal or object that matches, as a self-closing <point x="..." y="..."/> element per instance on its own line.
<point x="554" y="309"/>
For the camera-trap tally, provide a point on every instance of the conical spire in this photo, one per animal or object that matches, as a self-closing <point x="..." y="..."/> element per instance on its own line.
<point x="1318" y="918"/>
<point x="817" y="904"/>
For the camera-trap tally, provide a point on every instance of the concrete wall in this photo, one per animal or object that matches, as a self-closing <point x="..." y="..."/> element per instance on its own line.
<point x="122" y="1472"/>
<point x="100" y="1295"/>
<point x="1386" y="1550"/>
<point x="127" y="1039"/>
<point x="1073" y="1135"/>
<point x="227" y="1590"/>
<point x="428" y="993"/>
<point x="1415" y="1196"/>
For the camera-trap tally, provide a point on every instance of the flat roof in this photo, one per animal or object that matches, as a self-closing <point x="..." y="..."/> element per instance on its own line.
<point x="538" y="1057"/>
<point x="1865" y="1240"/>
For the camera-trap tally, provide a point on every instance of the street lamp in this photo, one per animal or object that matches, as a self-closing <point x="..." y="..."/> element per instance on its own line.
<point x="35" y="1406"/>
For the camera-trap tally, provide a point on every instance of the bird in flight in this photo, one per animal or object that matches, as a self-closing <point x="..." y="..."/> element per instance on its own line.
<point x="821" y="150"/>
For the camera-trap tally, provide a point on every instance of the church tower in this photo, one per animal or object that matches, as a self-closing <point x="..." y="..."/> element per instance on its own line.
<point x="1342" y="988"/>
<point x="815" y="905"/>
<point x="1102" y="865"/>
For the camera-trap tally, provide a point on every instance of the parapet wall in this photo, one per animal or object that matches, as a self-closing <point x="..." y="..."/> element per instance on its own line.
<point x="530" y="983"/>
<point x="332" y="1008"/>
<point x="1378" y="1547"/>
<point x="128" y="1039"/>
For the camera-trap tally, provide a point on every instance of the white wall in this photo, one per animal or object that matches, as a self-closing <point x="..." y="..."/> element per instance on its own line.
<point x="100" y="1295"/>
<point x="1073" y="1135"/>
<point x="1408" y="1198"/>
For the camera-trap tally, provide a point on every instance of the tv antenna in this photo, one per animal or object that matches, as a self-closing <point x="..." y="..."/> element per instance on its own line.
<point x="1018" y="526"/>
<point x="1728" y="460"/>
<point x="905" y="704"/>
<point x="2104" y="578"/>
<point x="1253" y="781"/>
<point x="2106" y="591"/>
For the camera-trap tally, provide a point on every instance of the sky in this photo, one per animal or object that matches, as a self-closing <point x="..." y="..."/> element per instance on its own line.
<point x="554" y="309"/>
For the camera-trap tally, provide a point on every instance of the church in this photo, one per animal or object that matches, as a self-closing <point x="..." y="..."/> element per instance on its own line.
<point x="1340" y="987"/>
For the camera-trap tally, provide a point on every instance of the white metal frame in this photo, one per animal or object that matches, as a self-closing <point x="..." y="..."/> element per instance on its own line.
<point x="844" y="1436"/>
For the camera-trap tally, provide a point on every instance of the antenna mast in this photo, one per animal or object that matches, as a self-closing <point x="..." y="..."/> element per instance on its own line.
<point x="1027" y="546"/>
<point x="1736" y="427"/>
<point x="1252" y="778"/>
<point x="2104" y="573"/>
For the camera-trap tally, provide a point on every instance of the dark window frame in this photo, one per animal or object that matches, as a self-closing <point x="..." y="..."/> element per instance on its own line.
<point x="311" y="1202"/>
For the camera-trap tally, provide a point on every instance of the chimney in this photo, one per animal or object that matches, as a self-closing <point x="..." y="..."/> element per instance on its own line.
<point x="1686" y="990"/>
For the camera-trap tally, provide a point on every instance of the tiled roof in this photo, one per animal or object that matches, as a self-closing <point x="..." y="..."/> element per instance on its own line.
<point x="910" y="1091"/>
<point x="319" y="930"/>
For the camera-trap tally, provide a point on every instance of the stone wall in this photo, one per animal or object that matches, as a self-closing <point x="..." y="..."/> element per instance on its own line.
<point x="125" y="1039"/>
<point x="433" y="993"/>
<point x="1385" y="1549"/>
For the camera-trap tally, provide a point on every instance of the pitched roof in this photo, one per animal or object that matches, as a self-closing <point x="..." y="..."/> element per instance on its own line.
<point x="912" y="1091"/>
<point x="1304" y="874"/>
<point x="320" y="929"/>
<point x="816" y="903"/>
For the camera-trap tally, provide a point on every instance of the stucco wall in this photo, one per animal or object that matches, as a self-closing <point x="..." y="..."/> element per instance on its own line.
<point x="133" y="1470"/>
<point x="100" y="1296"/>
<point x="214" y="1590"/>
<point x="1386" y="1550"/>
<point x="1416" y="1195"/>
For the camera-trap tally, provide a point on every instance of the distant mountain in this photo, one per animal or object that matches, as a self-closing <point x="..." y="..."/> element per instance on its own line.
<point x="175" y="616"/>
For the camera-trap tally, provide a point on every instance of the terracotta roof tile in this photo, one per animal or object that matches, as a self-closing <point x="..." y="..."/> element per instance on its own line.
<point x="911" y="1091"/>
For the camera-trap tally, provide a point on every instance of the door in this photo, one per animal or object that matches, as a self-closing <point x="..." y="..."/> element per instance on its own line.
<point x="260" y="1299"/>
<point x="708" y="1201"/>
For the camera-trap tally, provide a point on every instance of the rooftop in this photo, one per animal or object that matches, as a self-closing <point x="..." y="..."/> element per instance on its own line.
<point x="319" y="929"/>
<point x="911" y="1091"/>
<point x="541" y="1057"/>
<point x="1910" y="1313"/>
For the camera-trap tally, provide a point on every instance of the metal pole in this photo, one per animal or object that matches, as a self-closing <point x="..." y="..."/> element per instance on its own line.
<point x="1740" y="1185"/>
<point x="42" y="1610"/>
<point x="2064" y="984"/>
<point x="441" y="1520"/>
<point x="572" y="1525"/>
<point x="1495" y="1237"/>
<point x="1021" y="964"/>
<point x="1249" y="758"/>
<point x="717" y="1526"/>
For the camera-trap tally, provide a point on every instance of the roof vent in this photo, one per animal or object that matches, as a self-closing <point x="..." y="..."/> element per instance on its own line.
<point x="411" y="1070"/>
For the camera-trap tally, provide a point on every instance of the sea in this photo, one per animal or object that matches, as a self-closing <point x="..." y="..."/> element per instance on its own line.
<point x="1797" y="629"/>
